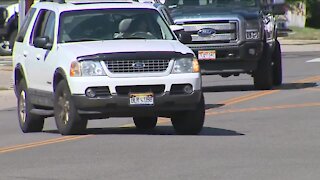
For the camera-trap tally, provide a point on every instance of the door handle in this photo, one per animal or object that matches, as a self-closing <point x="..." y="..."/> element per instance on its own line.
<point x="25" y="54"/>
<point x="38" y="57"/>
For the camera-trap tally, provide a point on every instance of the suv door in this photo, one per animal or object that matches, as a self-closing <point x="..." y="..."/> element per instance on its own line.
<point x="37" y="65"/>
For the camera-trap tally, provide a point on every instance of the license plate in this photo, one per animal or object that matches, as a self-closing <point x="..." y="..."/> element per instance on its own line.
<point x="207" y="55"/>
<point x="141" y="99"/>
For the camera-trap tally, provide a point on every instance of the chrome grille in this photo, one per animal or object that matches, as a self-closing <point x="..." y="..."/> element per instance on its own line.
<point x="137" y="66"/>
<point x="226" y="31"/>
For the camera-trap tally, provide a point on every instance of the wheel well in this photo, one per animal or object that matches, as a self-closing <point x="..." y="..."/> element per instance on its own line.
<point x="58" y="76"/>
<point x="18" y="75"/>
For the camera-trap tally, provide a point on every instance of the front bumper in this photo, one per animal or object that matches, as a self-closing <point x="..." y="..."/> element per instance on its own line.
<point x="165" y="105"/>
<point x="231" y="59"/>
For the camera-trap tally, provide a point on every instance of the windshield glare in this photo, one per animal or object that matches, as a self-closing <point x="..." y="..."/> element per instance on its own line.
<point x="115" y="24"/>
<point x="213" y="3"/>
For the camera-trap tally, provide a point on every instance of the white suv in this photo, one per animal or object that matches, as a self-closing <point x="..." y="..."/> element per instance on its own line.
<point x="91" y="60"/>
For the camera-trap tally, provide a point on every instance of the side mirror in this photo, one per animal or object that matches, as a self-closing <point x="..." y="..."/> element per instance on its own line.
<point x="175" y="28"/>
<point x="278" y="9"/>
<point x="42" y="42"/>
<point x="183" y="36"/>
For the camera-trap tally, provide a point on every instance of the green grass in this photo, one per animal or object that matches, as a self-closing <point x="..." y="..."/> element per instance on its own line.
<point x="304" y="33"/>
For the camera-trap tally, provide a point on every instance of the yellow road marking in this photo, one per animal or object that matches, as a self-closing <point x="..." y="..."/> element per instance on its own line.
<point x="286" y="106"/>
<point x="41" y="143"/>
<point x="165" y="120"/>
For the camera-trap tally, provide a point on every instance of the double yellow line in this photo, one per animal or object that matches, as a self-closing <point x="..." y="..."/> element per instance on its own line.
<point x="41" y="143"/>
<point x="228" y="102"/>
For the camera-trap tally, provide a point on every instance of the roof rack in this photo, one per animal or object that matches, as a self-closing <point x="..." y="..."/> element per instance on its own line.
<point x="57" y="1"/>
<point x="84" y="1"/>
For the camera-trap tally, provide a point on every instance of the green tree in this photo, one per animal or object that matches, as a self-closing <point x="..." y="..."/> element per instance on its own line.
<point x="313" y="7"/>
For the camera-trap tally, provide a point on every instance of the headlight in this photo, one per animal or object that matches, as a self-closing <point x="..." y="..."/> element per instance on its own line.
<point x="186" y="65"/>
<point x="86" y="68"/>
<point x="253" y="29"/>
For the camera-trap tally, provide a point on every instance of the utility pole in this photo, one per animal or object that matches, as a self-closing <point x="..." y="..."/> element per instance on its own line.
<point x="24" y="6"/>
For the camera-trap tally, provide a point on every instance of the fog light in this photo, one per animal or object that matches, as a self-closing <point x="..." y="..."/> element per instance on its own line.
<point x="90" y="93"/>
<point x="188" y="89"/>
<point x="252" y="51"/>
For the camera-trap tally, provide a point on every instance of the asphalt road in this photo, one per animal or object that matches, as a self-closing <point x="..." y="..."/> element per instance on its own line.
<point x="248" y="135"/>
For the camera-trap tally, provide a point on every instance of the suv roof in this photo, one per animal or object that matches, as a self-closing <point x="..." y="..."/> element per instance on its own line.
<point x="63" y="5"/>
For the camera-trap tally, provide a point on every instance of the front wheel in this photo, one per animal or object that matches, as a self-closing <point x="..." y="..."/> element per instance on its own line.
<point x="28" y="122"/>
<point x="190" y="122"/>
<point x="277" y="65"/>
<point x="263" y="75"/>
<point x="145" y="122"/>
<point x="66" y="116"/>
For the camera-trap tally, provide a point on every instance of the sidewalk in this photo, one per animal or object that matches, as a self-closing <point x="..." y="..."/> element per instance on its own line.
<point x="8" y="99"/>
<point x="299" y="45"/>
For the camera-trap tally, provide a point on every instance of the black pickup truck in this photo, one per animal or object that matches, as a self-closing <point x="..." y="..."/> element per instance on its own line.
<point x="231" y="37"/>
<point x="8" y="25"/>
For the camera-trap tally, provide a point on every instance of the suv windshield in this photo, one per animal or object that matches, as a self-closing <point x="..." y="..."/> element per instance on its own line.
<point x="110" y="24"/>
<point x="212" y="3"/>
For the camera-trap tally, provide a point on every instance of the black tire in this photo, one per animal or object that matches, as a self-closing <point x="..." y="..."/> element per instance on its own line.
<point x="12" y="39"/>
<point x="66" y="116"/>
<point x="263" y="75"/>
<point x="190" y="122"/>
<point x="145" y="123"/>
<point x="4" y="49"/>
<point x="277" y="65"/>
<point x="28" y="122"/>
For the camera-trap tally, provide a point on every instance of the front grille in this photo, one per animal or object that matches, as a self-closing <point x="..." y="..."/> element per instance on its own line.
<point x="125" y="90"/>
<point x="137" y="66"/>
<point x="225" y="31"/>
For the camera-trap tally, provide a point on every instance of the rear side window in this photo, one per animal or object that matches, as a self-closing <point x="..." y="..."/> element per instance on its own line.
<point x="25" y="25"/>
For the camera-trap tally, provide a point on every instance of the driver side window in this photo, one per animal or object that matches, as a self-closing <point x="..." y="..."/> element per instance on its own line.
<point x="44" y="26"/>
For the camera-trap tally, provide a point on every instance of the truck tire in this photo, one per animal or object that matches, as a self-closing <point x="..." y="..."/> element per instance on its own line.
<point x="5" y="49"/>
<point x="12" y="39"/>
<point x="28" y="122"/>
<point x="190" y="122"/>
<point x="67" y="119"/>
<point x="145" y="123"/>
<point x="263" y="75"/>
<point x="277" y="65"/>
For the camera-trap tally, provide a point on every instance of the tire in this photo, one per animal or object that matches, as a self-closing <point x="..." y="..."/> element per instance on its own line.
<point x="190" y="122"/>
<point x="66" y="116"/>
<point x="277" y="65"/>
<point x="263" y="75"/>
<point x="145" y="123"/>
<point x="12" y="39"/>
<point x="28" y="122"/>
<point x="4" y="48"/>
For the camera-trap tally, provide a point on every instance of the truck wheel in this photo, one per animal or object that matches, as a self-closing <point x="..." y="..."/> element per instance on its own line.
<point x="190" y="122"/>
<point x="12" y="39"/>
<point x="28" y="122"/>
<point x="263" y="75"/>
<point x="145" y="122"/>
<point x="5" y="49"/>
<point x="277" y="65"/>
<point x="66" y="116"/>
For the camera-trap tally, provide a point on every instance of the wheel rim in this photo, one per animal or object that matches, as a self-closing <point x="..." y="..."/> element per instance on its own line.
<point x="5" y="45"/>
<point x="22" y="107"/>
<point x="64" y="108"/>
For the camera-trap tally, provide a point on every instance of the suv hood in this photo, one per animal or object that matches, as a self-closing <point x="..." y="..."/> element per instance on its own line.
<point x="115" y="46"/>
<point x="199" y="12"/>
